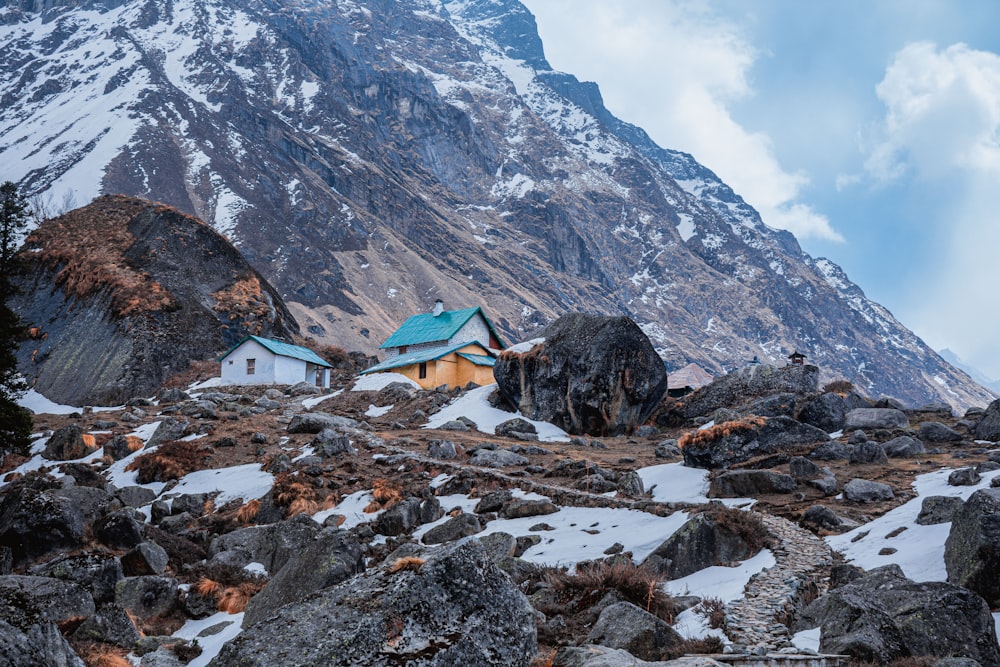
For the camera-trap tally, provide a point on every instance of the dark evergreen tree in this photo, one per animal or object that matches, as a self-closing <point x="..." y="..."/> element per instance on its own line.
<point x="15" y="422"/>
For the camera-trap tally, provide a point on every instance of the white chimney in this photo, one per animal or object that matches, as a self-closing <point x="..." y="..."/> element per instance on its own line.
<point x="438" y="307"/>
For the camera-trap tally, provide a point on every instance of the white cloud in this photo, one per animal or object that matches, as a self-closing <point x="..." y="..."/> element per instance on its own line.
<point x="942" y="113"/>
<point x="941" y="128"/>
<point x="675" y="68"/>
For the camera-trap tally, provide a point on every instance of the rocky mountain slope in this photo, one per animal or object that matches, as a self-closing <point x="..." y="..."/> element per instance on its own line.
<point x="123" y="293"/>
<point x="368" y="156"/>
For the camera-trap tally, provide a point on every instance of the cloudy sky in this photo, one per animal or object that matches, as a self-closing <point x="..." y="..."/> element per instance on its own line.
<point x="871" y="130"/>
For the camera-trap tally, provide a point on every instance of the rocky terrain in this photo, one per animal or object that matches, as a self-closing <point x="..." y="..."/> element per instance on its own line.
<point x="382" y="524"/>
<point x="123" y="293"/>
<point x="369" y="156"/>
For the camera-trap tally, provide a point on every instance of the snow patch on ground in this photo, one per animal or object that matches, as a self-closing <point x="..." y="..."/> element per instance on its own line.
<point x="379" y="381"/>
<point x="474" y="406"/>
<point x="243" y="482"/>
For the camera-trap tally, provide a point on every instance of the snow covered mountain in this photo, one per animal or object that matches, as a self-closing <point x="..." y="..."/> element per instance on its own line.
<point x="368" y="156"/>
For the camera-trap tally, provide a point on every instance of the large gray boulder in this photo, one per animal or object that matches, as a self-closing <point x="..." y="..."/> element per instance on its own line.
<point x="972" y="550"/>
<point x="98" y="573"/>
<point x="271" y="545"/>
<point x="829" y="411"/>
<point x="876" y="418"/>
<point x="750" y="483"/>
<point x="55" y="599"/>
<point x="28" y="636"/>
<point x="68" y="443"/>
<point x="34" y="523"/>
<point x="334" y="556"/>
<point x="748" y="382"/>
<point x="701" y="542"/>
<point x="456" y="608"/>
<point x="883" y="616"/>
<point x="624" y="625"/>
<point x="593" y="374"/>
<point x="315" y="422"/>
<point x="902" y="446"/>
<point x="988" y="426"/>
<point x="725" y="445"/>
<point x="867" y="491"/>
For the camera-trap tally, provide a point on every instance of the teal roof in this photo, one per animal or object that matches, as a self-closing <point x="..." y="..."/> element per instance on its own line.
<point x="428" y="328"/>
<point x="283" y="350"/>
<point x="426" y="354"/>
<point x="478" y="359"/>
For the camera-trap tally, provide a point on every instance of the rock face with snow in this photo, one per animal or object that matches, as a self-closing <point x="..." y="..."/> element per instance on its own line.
<point x="456" y="608"/>
<point x="593" y="375"/>
<point x="363" y="155"/>
<point x="124" y="292"/>
<point x="883" y="616"/>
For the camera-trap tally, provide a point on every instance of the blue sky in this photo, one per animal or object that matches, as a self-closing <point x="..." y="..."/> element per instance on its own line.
<point x="870" y="129"/>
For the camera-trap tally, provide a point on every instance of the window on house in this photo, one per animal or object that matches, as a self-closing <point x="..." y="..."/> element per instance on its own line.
<point x="423" y="370"/>
<point x="402" y="349"/>
<point x="251" y="366"/>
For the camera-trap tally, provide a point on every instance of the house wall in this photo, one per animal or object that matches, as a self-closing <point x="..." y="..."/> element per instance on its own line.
<point x="475" y="329"/>
<point x="453" y="370"/>
<point x="290" y="371"/>
<point x="234" y="367"/>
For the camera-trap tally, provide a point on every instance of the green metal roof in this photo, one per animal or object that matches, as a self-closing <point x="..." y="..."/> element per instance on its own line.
<point x="479" y="359"/>
<point x="428" y="328"/>
<point x="420" y="356"/>
<point x="283" y="350"/>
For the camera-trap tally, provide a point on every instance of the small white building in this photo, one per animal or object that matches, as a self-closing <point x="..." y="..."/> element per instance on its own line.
<point x="256" y="360"/>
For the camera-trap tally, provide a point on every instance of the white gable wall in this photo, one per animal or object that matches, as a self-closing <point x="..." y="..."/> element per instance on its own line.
<point x="234" y="367"/>
<point x="475" y="330"/>
<point x="290" y="371"/>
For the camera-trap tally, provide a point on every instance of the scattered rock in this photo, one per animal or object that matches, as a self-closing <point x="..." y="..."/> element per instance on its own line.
<point x="56" y="600"/>
<point x="148" y="596"/>
<point x="830" y="451"/>
<point x="938" y="509"/>
<point x="442" y="449"/>
<point x="875" y="418"/>
<point x="750" y="483"/>
<point x="867" y="453"/>
<point x="867" y="491"/>
<point x="938" y="432"/>
<point x="624" y="625"/>
<point x="736" y="442"/>
<point x="699" y="543"/>
<point x="314" y="422"/>
<point x="272" y="545"/>
<point x="34" y="523"/>
<point x="500" y="458"/>
<point x="903" y="446"/>
<point x="69" y="443"/>
<point x="145" y="558"/>
<point x="515" y="425"/>
<point x="518" y="508"/>
<point x="964" y="477"/>
<point x="751" y="381"/>
<point x="988" y="426"/>
<point x="454" y="528"/>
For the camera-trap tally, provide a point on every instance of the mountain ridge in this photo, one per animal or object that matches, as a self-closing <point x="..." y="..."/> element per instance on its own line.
<point x="368" y="157"/>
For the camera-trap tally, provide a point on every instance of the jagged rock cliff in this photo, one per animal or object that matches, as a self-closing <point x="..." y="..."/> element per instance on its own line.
<point x="124" y="292"/>
<point x="368" y="156"/>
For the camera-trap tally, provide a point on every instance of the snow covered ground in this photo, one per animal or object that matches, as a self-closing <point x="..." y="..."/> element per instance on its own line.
<point x="474" y="406"/>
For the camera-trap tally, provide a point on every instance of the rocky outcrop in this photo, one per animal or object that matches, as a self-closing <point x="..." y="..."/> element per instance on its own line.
<point x="729" y="443"/>
<point x="883" y="616"/>
<point x="454" y="608"/>
<point x="626" y="626"/>
<point x="988" y="425"/>
<point x="591" y="375"/>
<point x="125" y="292"/>
<point x="34" y="523"/>
<point x="972" y="551"/>
<point x="749" y="382"/>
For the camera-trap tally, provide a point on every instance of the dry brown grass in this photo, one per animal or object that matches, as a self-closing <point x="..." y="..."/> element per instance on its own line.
<point x="235" y="598"/>
<point x="86" y="248"/>
<point x="298" y="496"/>
<point x="244" y="299"/>
<point x="171" y="460"/>
<point x="208" y="588"/>
<point x="385" y="494"/>
<point x="747" y="525"/>
<point x="635" y="584"/>
<point x="97" y="654"/>
<point x="406" y="563"/>
<point x="135" y="443"/>
<point x="718" y="431"/>
<point x="841" y="387"/>
<point x="712" y="610"/>
<point x="246" y="513"/>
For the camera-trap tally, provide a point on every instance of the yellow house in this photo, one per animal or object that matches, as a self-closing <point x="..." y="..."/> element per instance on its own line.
<point x="452" y="347"/>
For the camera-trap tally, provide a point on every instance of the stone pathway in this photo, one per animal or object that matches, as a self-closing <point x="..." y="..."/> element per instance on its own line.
<point x="756" y="621"/>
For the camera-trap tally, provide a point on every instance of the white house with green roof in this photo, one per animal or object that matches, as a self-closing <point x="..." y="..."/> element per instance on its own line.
<point x="256" y="360"/>
<point x="452" y="347"/>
